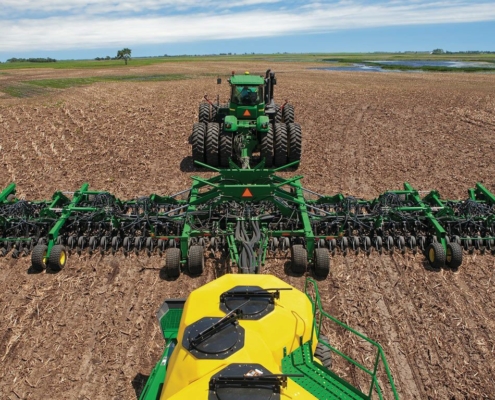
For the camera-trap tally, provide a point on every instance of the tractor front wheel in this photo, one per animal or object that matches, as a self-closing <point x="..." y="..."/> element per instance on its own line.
<point x="288" y="114"/>
<point x="204" y="113"/>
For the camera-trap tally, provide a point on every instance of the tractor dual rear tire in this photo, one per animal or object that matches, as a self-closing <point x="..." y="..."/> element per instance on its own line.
<point x="280" y="151"/>
<point x="226" y="148"/>
<point x="267" y="147"/>
<point x="212" y="139"/>
<point x="198" y="142"/>
<point x="278" y="114"/>
<point x="295" y="142"/>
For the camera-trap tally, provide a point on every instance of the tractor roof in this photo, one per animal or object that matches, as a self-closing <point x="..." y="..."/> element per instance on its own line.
<point x="246" y="80"/>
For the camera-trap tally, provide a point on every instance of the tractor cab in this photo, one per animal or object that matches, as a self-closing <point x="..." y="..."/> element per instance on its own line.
<point x="247" y="96"/>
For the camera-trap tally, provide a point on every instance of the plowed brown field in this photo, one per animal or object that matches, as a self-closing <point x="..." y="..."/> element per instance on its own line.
<point x="89" y="332"/>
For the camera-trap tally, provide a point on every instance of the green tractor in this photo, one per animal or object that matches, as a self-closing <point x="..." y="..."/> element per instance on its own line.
<point x="250" y="123"/>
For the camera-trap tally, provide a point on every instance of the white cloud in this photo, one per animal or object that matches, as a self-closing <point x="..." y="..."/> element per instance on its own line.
<point x="84" y="31"/>
<point x="122" y="6"/>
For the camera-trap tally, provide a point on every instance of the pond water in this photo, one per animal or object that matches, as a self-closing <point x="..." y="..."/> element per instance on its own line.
<point x="412" y="64"/>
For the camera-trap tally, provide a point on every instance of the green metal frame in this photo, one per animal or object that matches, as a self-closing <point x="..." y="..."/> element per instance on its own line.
<point x="324" y="383"/>
<point x="316" y="221"/>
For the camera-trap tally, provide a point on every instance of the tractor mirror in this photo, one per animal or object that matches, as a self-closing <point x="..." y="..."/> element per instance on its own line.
<point x="219" y="81"/>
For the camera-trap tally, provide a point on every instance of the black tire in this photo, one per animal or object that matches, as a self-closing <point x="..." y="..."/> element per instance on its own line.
<point x="198" y="142"/>
<point x="322" y="262"/>
<point x="288" y="114"/>
<point x="172" y="262"/>
<point x="196" y="260"/>
<point x="453" y="258"/>
<point x="38" y="257"/>
<point x="57" y="258"/>
<point x="323" y="353"/>
<point x="436" y="255"/>
<point x="213" y="113"/>
<point x="226" y="140"/>
<point x="295" y="142"/>
<point x="267" y="147"/>
<point x="212" y="137"/>
<point x="204" y="113"/>
<point x="278" y="114"/>
<point x="299" y="257"/>
<point x="280" y="151"/>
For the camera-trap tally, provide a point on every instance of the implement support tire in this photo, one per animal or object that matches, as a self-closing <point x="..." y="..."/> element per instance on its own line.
<point x="38" y="257"/>
<point x="454" y="255"/>
<point x="172" y="262"/>
<point x="299" y="260"/>
<point x="57" y="258"/>
<point x="436" y="255"/>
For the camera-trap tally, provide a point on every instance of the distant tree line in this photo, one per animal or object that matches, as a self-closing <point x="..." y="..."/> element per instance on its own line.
<point x="38" y="60"/>
<point x="442" y="51"/>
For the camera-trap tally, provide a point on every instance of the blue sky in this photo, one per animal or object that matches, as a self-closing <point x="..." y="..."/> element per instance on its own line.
<point x="65" y="29"/>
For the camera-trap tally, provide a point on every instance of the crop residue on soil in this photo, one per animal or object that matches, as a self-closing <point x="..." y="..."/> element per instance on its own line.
<point x="90" y="331"/>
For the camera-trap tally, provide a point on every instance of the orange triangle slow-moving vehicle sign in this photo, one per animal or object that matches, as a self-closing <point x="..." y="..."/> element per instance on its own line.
<point x="247" y="193"/>
<point x="246" y="113"/>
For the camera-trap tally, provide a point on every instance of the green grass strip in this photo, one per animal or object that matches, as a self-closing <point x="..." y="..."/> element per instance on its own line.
<point x="64" y="83"/>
